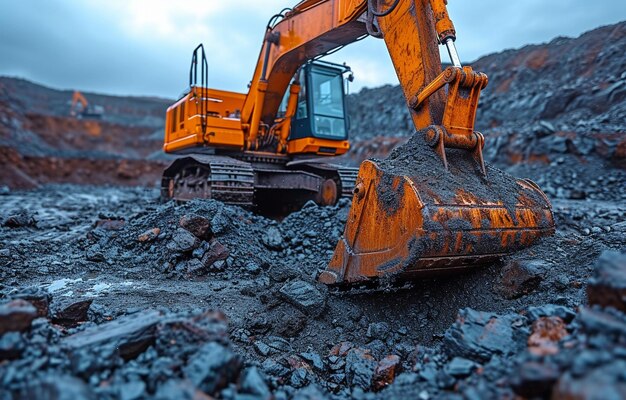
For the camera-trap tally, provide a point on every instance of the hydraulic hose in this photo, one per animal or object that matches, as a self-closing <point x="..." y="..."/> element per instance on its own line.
<point x="371" y="8"/>
<point x="372" y="12"/>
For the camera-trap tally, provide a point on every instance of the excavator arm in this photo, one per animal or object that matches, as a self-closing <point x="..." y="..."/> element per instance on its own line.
<point x="411" y="29"/>
<point x="77" y="98"/>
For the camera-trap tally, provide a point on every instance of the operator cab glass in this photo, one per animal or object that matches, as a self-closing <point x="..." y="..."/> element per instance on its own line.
<point x="321" y="107"/>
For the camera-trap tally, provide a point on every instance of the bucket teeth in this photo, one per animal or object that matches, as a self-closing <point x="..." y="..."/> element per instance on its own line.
<point x="410" y="217"/>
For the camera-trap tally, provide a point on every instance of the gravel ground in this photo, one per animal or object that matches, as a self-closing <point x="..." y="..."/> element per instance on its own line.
<point x="98" y="256"/>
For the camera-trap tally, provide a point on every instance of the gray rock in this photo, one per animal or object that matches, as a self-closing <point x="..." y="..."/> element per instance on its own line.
<point x="95" y="254"/>
<point x="602" y="382"/>
<point x="545" y="128"/>
<point x="520" y="277"/>
<point x="273" y="368"/>
<point x="183" y="241"/>
<point x="16" y="316"/>
<point x="220" y="222"/>
<point x="604" y="321"/>
<point x="304" y="296"/>
<point x="262" y="348"/>
<point x="20" y="219"/>
<point x="212" y="368"/>
<point x="278" y="344"/>
<point x="607" y="287"/>
<point x="314" y="359"/>
<point x="273" y="239"/>
<point x="360" y="368"/>
<point x="133" y="390"/>
<point x="535" y="380"/>
<point x="554" y="144"/>
<point x="254" y="384"/>
<point x="57" y="387"/>
<point x="378" y="330"/>
<point x="282" y="273"/>
<point x="12" y="344"/>
<point x="460" y="367"/>
<point x="299" y="378"/>
<point x="125" y="337"/>
<point x="444" y="380"/>
<point x="551" y="310"/>
<point x="180" y="390"/>
<point x="310" y="392"/>
<point x="480" y="335"/>
<point x="252" y="267"/>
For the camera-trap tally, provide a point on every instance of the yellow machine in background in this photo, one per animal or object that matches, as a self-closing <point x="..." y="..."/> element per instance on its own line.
<point x="80" y="107"/>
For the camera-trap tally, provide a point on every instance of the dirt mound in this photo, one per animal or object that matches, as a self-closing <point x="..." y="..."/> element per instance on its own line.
<point x="27" y="171"/>
<point x="41" y="143"/>
<point x="553" y="113"/>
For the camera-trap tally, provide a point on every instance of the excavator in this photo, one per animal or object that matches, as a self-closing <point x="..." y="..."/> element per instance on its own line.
<point x="80" y="107"/>
<point x="432" y="207"/>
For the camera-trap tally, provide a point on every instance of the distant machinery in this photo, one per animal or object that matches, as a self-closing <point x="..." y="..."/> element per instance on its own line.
<point x="81" y="108"/>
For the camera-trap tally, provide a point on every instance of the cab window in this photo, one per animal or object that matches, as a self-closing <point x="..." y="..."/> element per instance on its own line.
<point x="328" y="108"/>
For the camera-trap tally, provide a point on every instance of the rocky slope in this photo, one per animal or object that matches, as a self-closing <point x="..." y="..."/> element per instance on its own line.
<point x="564" y="97"/>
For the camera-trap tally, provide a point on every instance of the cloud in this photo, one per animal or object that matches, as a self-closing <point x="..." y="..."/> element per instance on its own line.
<point x="143" y="47"/>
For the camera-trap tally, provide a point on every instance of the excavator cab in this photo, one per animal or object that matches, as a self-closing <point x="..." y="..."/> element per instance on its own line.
<point x="321" y="111"/>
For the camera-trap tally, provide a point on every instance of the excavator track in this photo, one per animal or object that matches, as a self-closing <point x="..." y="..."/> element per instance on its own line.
<point x="248" y="182"/>
<point x="209" y="177"/>
<point x="347" y="176"/>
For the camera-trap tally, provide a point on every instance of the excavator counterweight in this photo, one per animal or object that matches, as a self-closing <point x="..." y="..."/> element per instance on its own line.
<point x="432" y="206"/>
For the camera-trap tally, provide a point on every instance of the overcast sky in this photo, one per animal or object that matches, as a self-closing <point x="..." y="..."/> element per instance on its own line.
<point x="143" y="47"/>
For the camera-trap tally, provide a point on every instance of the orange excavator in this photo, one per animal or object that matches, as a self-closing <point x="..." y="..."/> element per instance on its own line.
<point x="432" y="206"/>
<point x="80" y="107"/>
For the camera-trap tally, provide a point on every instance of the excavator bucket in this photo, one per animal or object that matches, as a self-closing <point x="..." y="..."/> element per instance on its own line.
<point x="411" y="217"/>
